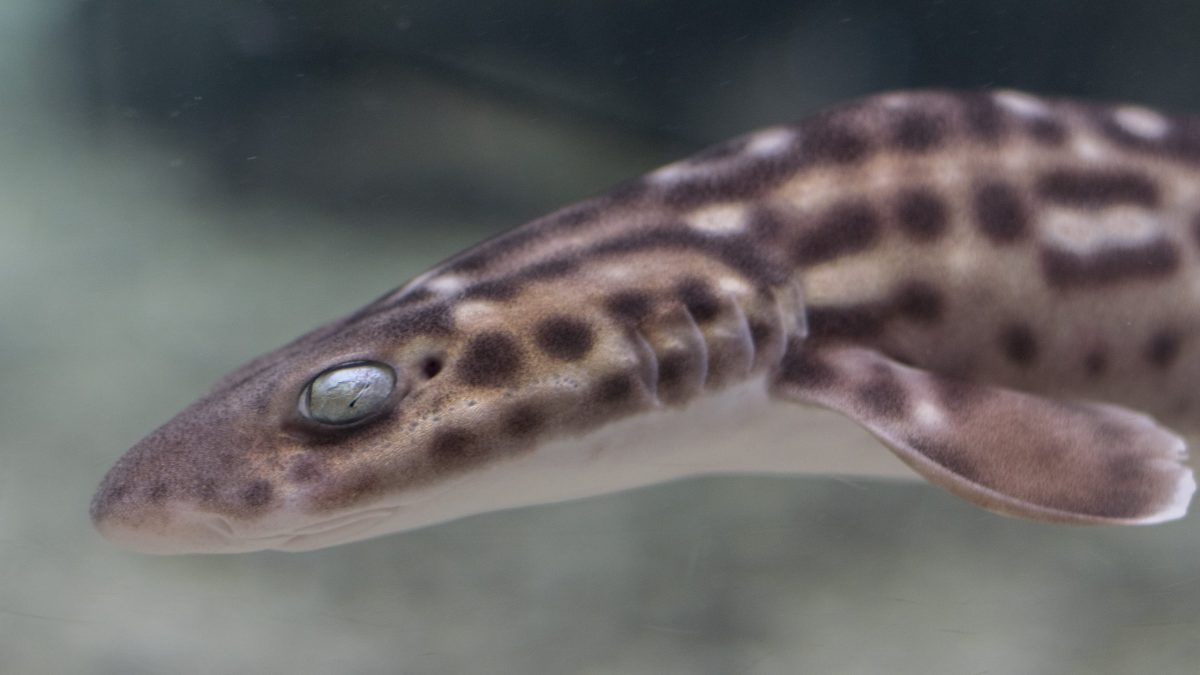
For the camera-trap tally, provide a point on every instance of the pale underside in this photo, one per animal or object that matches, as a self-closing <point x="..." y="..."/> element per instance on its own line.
<point x="740" y="429"/>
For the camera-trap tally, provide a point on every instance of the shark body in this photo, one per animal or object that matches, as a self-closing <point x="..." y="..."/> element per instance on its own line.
<point x="1003" y="289"/>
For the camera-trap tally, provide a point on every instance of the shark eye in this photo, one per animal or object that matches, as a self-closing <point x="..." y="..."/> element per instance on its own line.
<point x="347" y="393"/>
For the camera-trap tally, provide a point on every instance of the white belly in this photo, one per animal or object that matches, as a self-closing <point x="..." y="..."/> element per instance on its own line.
<point x="738" y="430"/>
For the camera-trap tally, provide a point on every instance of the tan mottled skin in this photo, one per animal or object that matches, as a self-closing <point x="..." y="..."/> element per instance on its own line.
<point x="912" y="260"/>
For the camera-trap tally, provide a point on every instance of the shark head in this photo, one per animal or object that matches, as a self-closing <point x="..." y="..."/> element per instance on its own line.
<point x="262" y="460"/>
<point x="362" y="427"/>
<point x="357" y="428"/>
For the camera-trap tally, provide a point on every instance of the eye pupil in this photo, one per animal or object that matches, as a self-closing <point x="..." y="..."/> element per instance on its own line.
<point x="348" y="393"/>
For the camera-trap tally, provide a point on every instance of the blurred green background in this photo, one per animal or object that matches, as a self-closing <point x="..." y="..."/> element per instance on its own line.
<point x="188" y="183"/>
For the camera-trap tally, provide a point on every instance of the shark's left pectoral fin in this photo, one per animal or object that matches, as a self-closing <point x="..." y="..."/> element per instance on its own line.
<point x="1007" y="451"/>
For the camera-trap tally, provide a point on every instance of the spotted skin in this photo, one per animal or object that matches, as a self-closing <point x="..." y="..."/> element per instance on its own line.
<point x="955" y="272"/>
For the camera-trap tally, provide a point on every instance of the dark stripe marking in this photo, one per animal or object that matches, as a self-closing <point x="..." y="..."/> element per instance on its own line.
<point x="1153" y="260"/>
<point x="848" y="227"/>
<point x="739" y="253"/>
<point x="1098" y="188"/>
<point x="699" y="299"/>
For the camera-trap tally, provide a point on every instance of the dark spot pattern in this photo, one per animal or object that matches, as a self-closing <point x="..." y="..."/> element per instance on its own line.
<point x="826" y="141"/>
<point x="956" y="395"/>
<point x="1001" y="213"/>
<point x="491" y="359"/>
<point x="257" y="494"/>
<point x="699" y="299"/>
<point x="849" y="227"/>
<point x="565" y="338"/>
<point x="305" y="470"/>
<point x="453" y="447"/>
<point x="524" y="420"/>
<point x="1019" y="344"/>
<point x="1067" y="269"/>
<point x="1097" y="188"/>
<point x="921" y="214"/>
<point x="947" y="455"/>
<point x="1163" y="349"/>
<point x="1047" y="131"/>
<point x="984" y="118"/>
<point x="614" y="389"/>
<point x="804" y="368"/>
<point x="919" y="301"/>
<point x="883" y="395"/>
<point x="761" y="333"/>
<point x="632" y="306"/>
<point x="672" y="367"/>
<point x="848" y="322"/>
<point x="1095" y="363"/>
<point x="765" y="223"/>
<point x="1134" y="495"/>
<point x="917" y="131"/>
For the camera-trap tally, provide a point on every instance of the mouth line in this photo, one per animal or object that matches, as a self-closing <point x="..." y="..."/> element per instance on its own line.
<point x="323" y="527"/>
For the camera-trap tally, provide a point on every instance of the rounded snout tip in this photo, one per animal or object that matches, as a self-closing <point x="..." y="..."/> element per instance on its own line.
<point x="166" y="532"/>
<point x="160" y="527"/>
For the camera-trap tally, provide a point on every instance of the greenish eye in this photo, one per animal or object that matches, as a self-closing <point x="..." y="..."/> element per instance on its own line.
<point x="348" y="393"/>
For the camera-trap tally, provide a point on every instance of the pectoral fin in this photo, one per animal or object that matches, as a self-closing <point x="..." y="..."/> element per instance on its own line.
<point x="1008" y="451"/>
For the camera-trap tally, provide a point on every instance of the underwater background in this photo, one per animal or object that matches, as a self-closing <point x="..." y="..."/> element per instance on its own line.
<point x="186" y="184"/>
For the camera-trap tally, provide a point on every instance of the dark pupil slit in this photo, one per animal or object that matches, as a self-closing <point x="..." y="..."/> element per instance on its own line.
<point x="431" y="367"/>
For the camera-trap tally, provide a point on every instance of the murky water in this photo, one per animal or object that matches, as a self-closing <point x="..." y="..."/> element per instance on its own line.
<point x="188" y="184"/>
